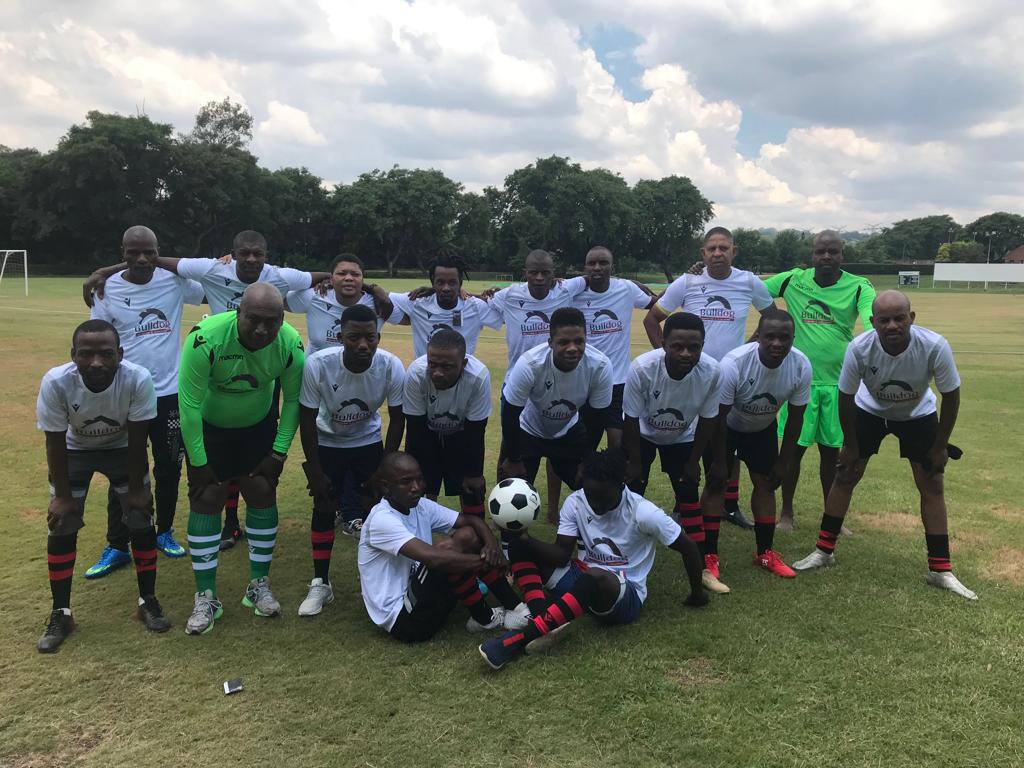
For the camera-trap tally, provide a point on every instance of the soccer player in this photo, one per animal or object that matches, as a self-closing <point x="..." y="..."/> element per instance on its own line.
<point x="410" y="583"/>
<point x="542" y="398"/>
<point x="444" y="307"/>
<point x="618" y="530"/>
<point x="884" y="389"/>
<point x="95" y="412"/>
<point x="339" y="421"/>
<point x="757" y="379"/>
<point x="721" y="297"/>
<point x="671" y="405"/>
<point x="144" y="304"/>
<point x="228" y="368"/>
<point x="446" y="402"/>
<point x="825" y="302"/>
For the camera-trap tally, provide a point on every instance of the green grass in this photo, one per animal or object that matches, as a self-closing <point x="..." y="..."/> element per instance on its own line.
<point x="861" y="666"/>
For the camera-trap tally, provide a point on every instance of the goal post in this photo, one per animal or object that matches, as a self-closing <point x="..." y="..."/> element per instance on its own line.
<point x="7" y="254"/>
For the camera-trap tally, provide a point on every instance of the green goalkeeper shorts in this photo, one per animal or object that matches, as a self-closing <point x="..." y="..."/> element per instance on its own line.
<point x="821" y="419"/>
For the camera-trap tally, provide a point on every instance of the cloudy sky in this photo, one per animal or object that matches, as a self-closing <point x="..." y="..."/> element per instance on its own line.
<point x="800" y="113"/>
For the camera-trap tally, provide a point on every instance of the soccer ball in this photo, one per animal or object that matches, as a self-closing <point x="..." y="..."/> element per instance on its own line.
<point x="514" y="504"/>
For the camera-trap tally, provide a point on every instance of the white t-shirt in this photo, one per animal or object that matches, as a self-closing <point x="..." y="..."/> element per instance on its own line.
<point x="609" y="320"/>
<point x="448" y="410"/>
<point x="667" y="409"/>
<point x="383" y="573"/>
<point x="349" y="402"/>
<point x="323" y="316"/>
<point x="526" y="319"/>
<point x="897" y="388"/>
<point x="95" y="420"/>
<point x="223" y="288"/>
<point x="426" y="316"/>
<point x="723" y="305"/>
<point x="756" y="392"/>
<point x="621" y="540"/>
<point x="148" y="319"/>
<point x="551" y="398"/>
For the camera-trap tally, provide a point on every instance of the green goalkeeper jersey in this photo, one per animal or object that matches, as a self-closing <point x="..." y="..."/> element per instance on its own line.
<point x="824" y="317"/>
<point x="227" y="385"/>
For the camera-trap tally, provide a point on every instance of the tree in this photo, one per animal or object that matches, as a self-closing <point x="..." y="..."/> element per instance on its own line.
<point x="1004" y="230"/>
<point x="298" y="230"/>
<point x="919" y="239"/>
<point x="671" y="213"/>
<point x="961" y="252"/>
<point x="870" y="251"/>
<point x="223" y="123"/>
<point x="473" y="231"/>
<point x="753" y="252"/>
<point x="792" y="249"/>
<point x="16" y="168"/>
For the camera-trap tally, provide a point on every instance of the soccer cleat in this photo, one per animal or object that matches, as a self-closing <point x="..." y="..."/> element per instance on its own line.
<point x="711" y="565"/>
<point x="207" y="609"/>
<point x="817" y="559"/>
<point x="58" y="628"/>
<point x="109" y="561"/>
<point x="771" y="561"/>
<point x="319" y="595"/>
<point x="352" y="527"/>
<point x="544" y="642"/>
<point x="259" y="597"/>
<point x="712" y="584"/>
<point x="737" y="518"/>
<point x="165" y="543"/>
<point x="499" y="651"/>
<point x="946" y="580"/>
<point x="152" y="615"/>
<point x="230" y="536"/>
<point x="502" y="618"/>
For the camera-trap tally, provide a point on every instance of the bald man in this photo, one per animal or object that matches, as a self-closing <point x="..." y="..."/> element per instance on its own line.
<point x="226" y="396"/>
<point x="884" y="389"/>
<point x="144" y="304"/>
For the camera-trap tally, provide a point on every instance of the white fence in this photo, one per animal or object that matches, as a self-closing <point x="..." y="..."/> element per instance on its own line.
<point x="978" y="273"/>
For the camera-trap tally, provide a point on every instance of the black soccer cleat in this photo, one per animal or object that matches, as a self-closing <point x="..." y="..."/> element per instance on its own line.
<point x="57" y="629"/>
<point x="230" y="536"/>
<point x="737" y="518"/>
<point x="152" y="615"/>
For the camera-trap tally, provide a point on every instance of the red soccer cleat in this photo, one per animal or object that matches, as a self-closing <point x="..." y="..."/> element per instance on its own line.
<point x="771" y="561"/>
<point x="711" y="565"/>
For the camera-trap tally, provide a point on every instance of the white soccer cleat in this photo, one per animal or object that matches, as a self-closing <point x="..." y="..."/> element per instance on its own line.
<point x="817" y="559"/>
<point x="712" y="583"/>
<point x="946" y="580"/>
<point x="518" y="617"/>
<point x="319" y="595"/>
<point x="497" y="622"/>
<point x="544" y="642"/>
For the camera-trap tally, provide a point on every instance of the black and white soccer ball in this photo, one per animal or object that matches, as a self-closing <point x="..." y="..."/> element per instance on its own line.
<point x="514" y="504"/>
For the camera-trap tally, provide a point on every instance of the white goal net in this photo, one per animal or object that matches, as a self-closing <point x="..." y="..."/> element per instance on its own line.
<point x="16" y="256"/>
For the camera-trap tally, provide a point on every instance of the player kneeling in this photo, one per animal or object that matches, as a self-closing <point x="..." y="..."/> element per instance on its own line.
<point x="618" y="530"/>
<point x="409" y="584"/>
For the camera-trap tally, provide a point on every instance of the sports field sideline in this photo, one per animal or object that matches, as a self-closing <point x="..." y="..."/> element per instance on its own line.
<point x="861" y="665"/>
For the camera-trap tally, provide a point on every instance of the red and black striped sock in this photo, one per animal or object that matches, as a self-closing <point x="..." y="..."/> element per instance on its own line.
<point x="691" y="519"/>
<point x="732" y="496"/>
<point x="144" y="554"/>
<point x="498" y="586"/>
<point x="564" y="609"/>
<point x="712" y="525"/>
<point x="764" y="532"/>
<point x="60" y="559"/>
<point x="527" y="577"/>
<point x="938" y="551"/>
<point x="465" y="588"/>
<point x="830" y="528"/>
<point x="231" y="506"/>
<point x="323" y="544"/>
<point x="472" y="505"/>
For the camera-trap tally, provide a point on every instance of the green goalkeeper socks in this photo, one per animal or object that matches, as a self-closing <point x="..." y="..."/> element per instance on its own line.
<point x="261" y="532"/>
<point x="204" y="547"/>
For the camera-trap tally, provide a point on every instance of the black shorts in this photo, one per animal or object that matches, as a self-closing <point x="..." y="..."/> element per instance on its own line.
<point x="916" y="436"/>
<point x="360" y="463"/>
<point x="428" y="602"/>
<point x="564" y="454"/>
<point x="236" y="451"/>
<point x="758" y="450"/>
<point x="673" y="457"/>
<point x="595" y="421"/>
<point x="443" y="459"/>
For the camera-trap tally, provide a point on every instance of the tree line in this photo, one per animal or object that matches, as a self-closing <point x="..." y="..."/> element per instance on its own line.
<point x="196" y="189"/>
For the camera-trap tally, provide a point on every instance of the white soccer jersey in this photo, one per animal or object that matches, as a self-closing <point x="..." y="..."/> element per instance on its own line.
<point x="756" y="392"/>
<point x="148" y="320"/>
<point x="551" y="398"/>
<point x="426" y="316"/>
<point x="349" y="402"/>
<point x="323" y="316"/>
<point x="621" y="540"/>
<point x="527" y="320"/>
<point x="723" y="305"/>
<point x="448" y="410"/>
<point x="609" y="320"/>
<point x="667" y="409"/>
<point x="223" y="288"/>
<point x="383" y="573"/>
<point x="897" y="387"/>
<point x="95" y="420"/>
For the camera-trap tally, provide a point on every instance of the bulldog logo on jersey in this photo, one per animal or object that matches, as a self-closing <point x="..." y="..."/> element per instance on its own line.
<point x="536" y="323"/>
<point x="351" y="411"/>
<point x="761" y="404"/>
<point x="717" y="308"/>
<point x="896" y="391"/>
<point x="559" y="410"/>
<point x="243" y="378"/>
<point x="445" y="423"/>
<point x="606" y="552"/>
<point x="605" y="321"/>
<point x="333" y="335"/>
<point x="157" y="325"/>
<point x="235" y="301"/>
<point x="98" y="426"/>
<point x="817" y="313"/>
<point x="668" y="420"/>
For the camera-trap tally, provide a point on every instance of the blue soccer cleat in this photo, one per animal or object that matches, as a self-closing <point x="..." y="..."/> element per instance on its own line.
<point x="165" y="543"/>
<point x="499" y="651"/>
<point x="109" y="561"/>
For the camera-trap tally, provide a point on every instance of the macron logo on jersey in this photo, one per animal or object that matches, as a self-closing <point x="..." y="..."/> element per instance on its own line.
<point x="817" y="313"/>
<point x="717" y="308"/>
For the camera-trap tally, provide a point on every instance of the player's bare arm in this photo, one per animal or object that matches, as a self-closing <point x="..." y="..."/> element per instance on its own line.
<point x="938" y="454"/>
<point x="490" y="552"/>
<point x="396" y="426"/>
<point x="694" y="564"/>
<point x="788" y="450"/>
<point x="139" y="496"/>
<point x="62" y="502"/>
<point x="317" y="482"/>
<point x="652" y="324"/>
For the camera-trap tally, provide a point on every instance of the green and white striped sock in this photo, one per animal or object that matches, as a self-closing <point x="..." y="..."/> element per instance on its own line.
<point x="261" y="532"/>
<point x="204" y="547"/>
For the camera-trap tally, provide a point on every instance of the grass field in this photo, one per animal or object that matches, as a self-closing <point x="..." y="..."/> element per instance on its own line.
<point x="864" y="665"/>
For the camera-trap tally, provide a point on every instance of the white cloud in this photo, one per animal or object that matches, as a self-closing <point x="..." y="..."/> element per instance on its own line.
<point x="287" y="124"/>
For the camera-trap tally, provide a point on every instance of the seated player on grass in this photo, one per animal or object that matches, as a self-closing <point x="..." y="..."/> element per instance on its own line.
<point x="671" y="406"/>
<point x="618" y="530"/>
<point x="884" y="389"/>
<point x="410" y="582"/>
<point x="340" y="425"/>
<point x="96" y="412"/>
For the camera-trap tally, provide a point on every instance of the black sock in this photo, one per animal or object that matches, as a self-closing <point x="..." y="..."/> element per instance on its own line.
<point x="732" y="496"/>
<point x="829" y="533"/>
<point x="321" y="536"/>
<point x="764" y="533"/>
<point x="938" y="551"/>
<point x="712" y="525"/>
<point x="144" y="554"/>
<point x="60" y="559"/>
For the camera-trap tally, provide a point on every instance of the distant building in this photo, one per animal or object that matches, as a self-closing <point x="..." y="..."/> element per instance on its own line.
<point x="1016" y="256"/>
